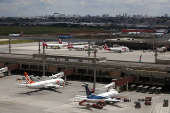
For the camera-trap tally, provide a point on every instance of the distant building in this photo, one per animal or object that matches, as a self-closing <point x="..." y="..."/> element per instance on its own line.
<point x="166" y="15"/>
<point x="61" y="15"/>
<point x="125" y="15"/>
<point x="105" y="15"/>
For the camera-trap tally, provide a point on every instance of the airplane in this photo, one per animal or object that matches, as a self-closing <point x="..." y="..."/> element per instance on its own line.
<point x="158" y="34"/>
<point x="59" y="75"/>
<point x="116" y="49"/>
<point x="78" y="43"/>
<point x="108" y="86"/>
<point x="107" y="96"/>
<point x="77" y="47"/>
<point x="133" y="33"/>
<point x="16" y="35"/>
<point x="52" y="83"/>
<point x="64" y="37"/>
<point x="52" y="45"/>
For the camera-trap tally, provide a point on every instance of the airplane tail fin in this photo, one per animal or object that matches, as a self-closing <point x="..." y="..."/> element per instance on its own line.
<point x="28" y="80"/>
<point x="88" y="92"/>
<point x="44" y="43"/>
<point x="72" y="35"/>
<point x="60" y="42"/>
<point x="21" y="34"/>
<point x="106" y="47"/>
<point x="69" y="46"/>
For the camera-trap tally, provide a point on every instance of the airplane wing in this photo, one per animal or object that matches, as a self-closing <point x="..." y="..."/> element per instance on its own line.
<point x="112" y="100"/>
<point x="21" y="84"/>
<point x="80" y="96"/>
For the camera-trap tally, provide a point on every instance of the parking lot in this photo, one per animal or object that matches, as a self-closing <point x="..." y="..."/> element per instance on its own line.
<point x="17" y="98"/>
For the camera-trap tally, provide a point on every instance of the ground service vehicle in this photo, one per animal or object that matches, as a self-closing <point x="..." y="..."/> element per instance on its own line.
<point x="132" y="87"/>
<point x="165" y="104"/>
<point x="145" y="89"/>
<point x="139" y="88"/>
<point x="158" y="90"/>
<point x="152" y="90"/>
<point x="148" y="100"/>
<point x="137" y="104"/>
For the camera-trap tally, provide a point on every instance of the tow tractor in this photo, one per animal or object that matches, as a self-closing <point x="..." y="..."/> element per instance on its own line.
<point x="98" y="105"/>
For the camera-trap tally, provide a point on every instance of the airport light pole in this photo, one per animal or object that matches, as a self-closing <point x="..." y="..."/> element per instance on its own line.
<point x="156" y="54"/>
<point x="153" y="37"/>
<point x="92" y="39"/>
<point x="39" y="47"/>
<point x="89" y="48"/>
<point x="43" y="60"/>
<point x="94" y="84"/>
<point x="110" y="39"/>
<point x="9" y="45"/>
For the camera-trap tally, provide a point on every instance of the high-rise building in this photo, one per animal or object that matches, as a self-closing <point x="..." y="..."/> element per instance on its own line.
<point x="126" y="15"/>
<point x="166" y="15"/>
<point x="105" y="15"/>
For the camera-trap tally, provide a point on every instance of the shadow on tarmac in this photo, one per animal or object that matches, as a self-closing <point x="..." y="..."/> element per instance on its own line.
<point x="38" y="90"/>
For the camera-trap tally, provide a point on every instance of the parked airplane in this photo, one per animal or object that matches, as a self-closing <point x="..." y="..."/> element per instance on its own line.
<point x="59" y="75"/>
<point x="15" y="35"/>
<point x="52" y="83"/>
<point x="107" y="96"/>
<point x="134" y="33"/>
<point x="158" y="34"/>
<point x="52" y="45"/>
<point x="116" y="49"/>
<point x="77" y="47"/>
<point x="64" y="37"/>
<point x="78" y="43"/>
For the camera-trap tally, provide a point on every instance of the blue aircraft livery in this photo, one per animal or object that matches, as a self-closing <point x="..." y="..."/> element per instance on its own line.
<point x="64" y="37"/>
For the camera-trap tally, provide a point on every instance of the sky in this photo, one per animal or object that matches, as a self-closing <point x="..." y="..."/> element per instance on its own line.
<point x="31" y="8"/>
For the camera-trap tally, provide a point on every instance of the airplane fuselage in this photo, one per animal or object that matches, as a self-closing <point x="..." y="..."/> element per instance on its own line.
<point x="46" y="84"/>
<point x="64" y="37"/>
<point x="14" y="35"/>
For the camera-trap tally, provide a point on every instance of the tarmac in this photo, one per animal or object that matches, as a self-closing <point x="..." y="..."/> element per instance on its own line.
<point x="17" y="98"/>
<point x="32" y="48"/>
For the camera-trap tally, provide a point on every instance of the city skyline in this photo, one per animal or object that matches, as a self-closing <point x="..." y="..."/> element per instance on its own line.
<point x="31" y="8"/>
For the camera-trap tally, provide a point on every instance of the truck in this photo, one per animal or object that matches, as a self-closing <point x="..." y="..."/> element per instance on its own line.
<point x="132" y="87"/>
<point x="152" y="90"/>
<point x="145" y="89"/>
<point x="139" y="88"/>
<point x="148" y="100"/>
<point x="158" y="90"/>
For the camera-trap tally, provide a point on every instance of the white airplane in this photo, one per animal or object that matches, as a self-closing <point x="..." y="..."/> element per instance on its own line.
<point x="77" y="47"/>
<point x="107" y="96"/>
<point x="15" y="35"/>
<point x="134" y="33"/>
<point x="66" y="43"/>
<point x="116" y="49"/>
<point x="108" y="86"/>
<point x="59" y="75"/>
<point x="53" y="83"/>
<point x="52" y="45"/>
<point x="157" y="34"/>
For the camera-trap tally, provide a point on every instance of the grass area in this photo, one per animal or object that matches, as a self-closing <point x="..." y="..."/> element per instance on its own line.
<point x="6" y="30"/>
<point x="16" y="42"/>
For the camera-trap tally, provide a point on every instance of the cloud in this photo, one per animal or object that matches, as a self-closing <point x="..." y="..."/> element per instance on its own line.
<point x="83" y="7"/>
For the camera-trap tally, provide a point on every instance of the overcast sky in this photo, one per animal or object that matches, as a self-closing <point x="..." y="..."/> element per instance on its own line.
<point x="84" y="7"/>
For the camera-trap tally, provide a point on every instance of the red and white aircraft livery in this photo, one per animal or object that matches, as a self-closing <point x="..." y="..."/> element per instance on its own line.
<point x="82" y="47"/>
<point x="16" y="35"/>
<point x="52" y="83"/>
<point x="66" y="43"/>
<point x="116" y="49"/>
<point x="157" y="34"/>
<point x="52" y="45"/>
